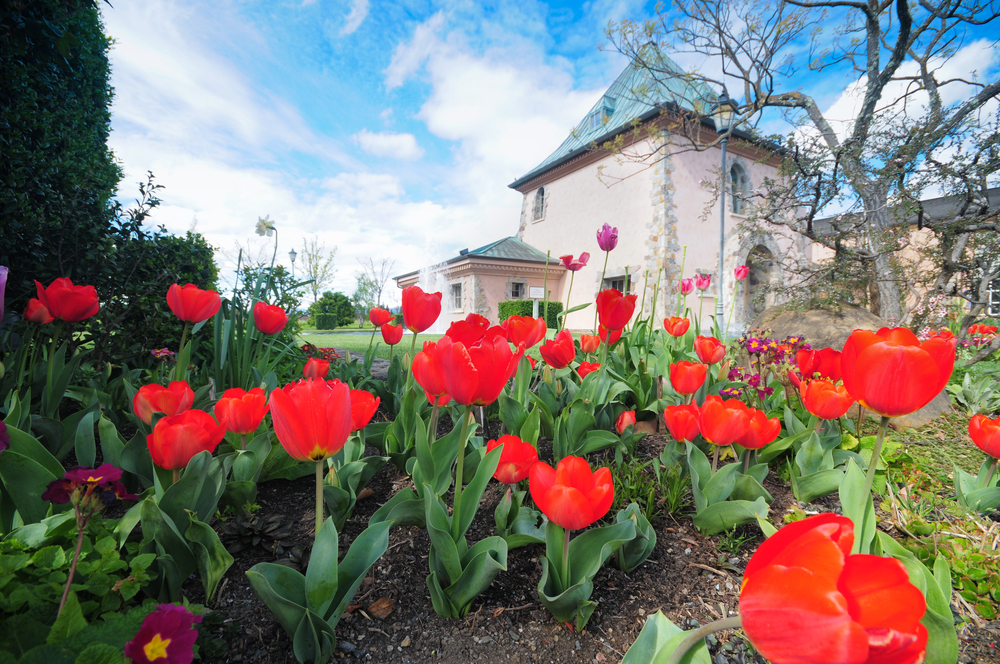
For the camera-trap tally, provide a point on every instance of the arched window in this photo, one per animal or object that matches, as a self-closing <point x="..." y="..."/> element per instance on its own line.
<point x="739" y="181"/>
<point x="539" y="204"/>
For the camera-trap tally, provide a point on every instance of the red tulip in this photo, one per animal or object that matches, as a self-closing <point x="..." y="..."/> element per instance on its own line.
<point x="154" y="398"/>
<point x="609" y="338"/>
<point x="824" y="399"/>
<point x="986" y="434"/>
<point x="429" y="374"/>
<point x="476" y="374"/>
<point x="559" y="351"/>
<point x="589" y="343"/>
<point x="682" y="422"/>
<point x="420" y="309"/>
<point x="806" y="600"/>
<point x="702" y="281"/>
<point x="241" y="412"/>
<point x="741" y="272"/>
<point x="192" y="304"/>
<point x="67" y="302"/>
<point x="37" y="313"/>
<point x="676" y="327"/>
<point x="391" y="334"/>
<point x="586" y="368"/>
<point x="269" y="318"/>
<point x="709" y="349"/>
<point x="614" y="309"/>
<point x="532" y="361"/>
<point x="312" y="418"/>
<point x="524" y="330"/>
<point x="363" y="407"/>
<point x="760" y="430"/>
<point x="472" y="329"/>
<point x="892" y="373"/>
<point x="575" y="265"/>
<point x="379" y="317"/>
<point x="316" y="368"/>
<point x="687" y="377"/>
<point x="723" y="422"/>
<point x="571" y="495"/>
<point x="625" y="420"/>
<point x="825" y="362"/>
<point x="516" y="458"/>
<point x="177" y="438"/>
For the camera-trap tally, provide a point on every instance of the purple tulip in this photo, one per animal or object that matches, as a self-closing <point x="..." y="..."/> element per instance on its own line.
<point x="577" y="264"/>
<point x="607" y="238"/>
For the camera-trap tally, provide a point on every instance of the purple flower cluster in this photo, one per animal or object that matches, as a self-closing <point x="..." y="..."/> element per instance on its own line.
<point x="82" y="485"/>
<point x="162" y="353"/>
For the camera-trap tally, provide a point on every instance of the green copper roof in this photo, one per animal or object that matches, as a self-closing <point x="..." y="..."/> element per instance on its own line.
<point x="509" y="248"/>
<point x="635" y="95"/>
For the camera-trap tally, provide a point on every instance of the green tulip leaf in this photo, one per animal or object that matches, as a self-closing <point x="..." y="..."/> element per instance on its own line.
<point x="283" y="590"/>
<point x="635" y="551"/>
<point x="447" y="560"/>
<point x="720" y="486"/>
<point x="403" y="509"/>
<point x="321" y="575"/>
<point x="726" y="515"/>
<point x="749" y="488"/>
<point x="212" y="558"/>
<point x="572" y="604"/>
<point x="366" y="548"/>
<point x="592" y="548"/>
<point x="658" y="639"/>
<point x="25" y="480"/>
<point x="808" y="488"/>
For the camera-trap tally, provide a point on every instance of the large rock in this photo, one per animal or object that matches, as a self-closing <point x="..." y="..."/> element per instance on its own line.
<point x="826" y="328"/>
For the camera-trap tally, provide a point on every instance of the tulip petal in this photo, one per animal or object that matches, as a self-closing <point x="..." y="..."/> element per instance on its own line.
<point x="895" y="380"/>
<point x="879" y="593"/>
<point x="838" y="529"/>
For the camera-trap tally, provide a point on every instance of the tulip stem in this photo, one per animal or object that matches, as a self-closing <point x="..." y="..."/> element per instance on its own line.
<point x="876" y="454"/>
<point x="715" y="459"/>
<point x="989" y="475"/>
<point x="243" y="441"/>
<point x="456" y="506"/>
<point x="545" y="288"/>
<point x="680" y="280"/>
<point x="182" y="361"/>
<point x="319" y="496"/>
<point x="746" y="462"/>
<point x="371" y="340"/>
<point x="600" y="287"/>
<point x="697" y="635"/>
<point x="562" y="321"/>
<point x="177" y="475"/>
<point x="432" y="425"/>
<point x="604" y="360"/>
<point x="565" y="561"/>
<point x="413" y="348"/>
<point x="732" y="310"/>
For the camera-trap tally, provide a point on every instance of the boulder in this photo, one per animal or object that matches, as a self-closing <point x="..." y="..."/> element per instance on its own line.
<point x="827" y="328"/>
<point x="824" y="328"/>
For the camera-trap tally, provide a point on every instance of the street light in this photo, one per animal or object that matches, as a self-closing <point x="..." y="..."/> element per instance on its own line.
<point x="722" y="113"/>
<point x="292" y="255"/>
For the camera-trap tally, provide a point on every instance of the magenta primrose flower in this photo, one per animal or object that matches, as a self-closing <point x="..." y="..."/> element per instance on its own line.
<point x="687" y="286"/>
<point x="574" y="265"/>
<point x="607" y="237"/>
<point x="741" y="272"/>
<point x="167" y="636"/>
<point x="81" y="482"/>
<point x="4" y="437"/>
<point x="702" y="281"/>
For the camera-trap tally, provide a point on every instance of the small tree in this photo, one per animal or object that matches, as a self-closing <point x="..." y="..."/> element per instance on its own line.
<point x="365" y="297"/>
<point x="318" y="264"/>
<point x="378" y="275"/>
<point x="336" y="304"/>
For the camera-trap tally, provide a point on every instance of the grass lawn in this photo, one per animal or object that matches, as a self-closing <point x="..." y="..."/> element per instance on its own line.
<point x="350" y="339"/>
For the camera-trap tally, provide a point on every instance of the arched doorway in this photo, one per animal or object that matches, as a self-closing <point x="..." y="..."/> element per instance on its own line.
<point x="763" y="270"/>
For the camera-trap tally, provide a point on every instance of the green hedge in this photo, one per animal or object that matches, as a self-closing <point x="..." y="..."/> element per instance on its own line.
<point x="524" y="308"/>
<point x="326" y="321"/>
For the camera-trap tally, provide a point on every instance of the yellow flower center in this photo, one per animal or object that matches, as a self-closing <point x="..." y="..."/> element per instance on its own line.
<point x="156" y="648"/>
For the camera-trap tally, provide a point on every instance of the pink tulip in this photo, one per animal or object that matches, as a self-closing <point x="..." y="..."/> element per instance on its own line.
<point x="686" y="286"/>
<point x="741" y="272"/>
<point x="577" y="264"/>
<point x="607" y="238"/>
<point x="702" y="281"/>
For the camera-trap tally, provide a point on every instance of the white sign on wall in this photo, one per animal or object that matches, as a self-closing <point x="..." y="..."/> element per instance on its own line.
<point x="536" y="292"/>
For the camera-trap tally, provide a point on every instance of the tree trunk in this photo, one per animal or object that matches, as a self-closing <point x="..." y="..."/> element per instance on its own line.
<point x="886" y="295"/>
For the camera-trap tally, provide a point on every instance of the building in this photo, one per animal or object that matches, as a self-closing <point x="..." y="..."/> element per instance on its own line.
<point x="477" y="281"/>
<point x="660" y="205"/>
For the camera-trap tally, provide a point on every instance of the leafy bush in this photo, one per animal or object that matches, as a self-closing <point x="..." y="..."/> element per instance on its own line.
<point x="524" y="308"/>
<point x="336" y="309"/>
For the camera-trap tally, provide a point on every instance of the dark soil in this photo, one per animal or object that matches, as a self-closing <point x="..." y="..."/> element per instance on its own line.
<point x="687" y="577"/>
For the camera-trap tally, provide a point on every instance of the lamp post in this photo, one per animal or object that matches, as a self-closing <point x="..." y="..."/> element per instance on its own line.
<point x="722" y="113"/>
<point x="292" y="255"/>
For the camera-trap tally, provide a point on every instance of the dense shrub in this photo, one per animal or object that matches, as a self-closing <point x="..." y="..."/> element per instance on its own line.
<point x="524" y="308"/>
<point x="338" y="310"/>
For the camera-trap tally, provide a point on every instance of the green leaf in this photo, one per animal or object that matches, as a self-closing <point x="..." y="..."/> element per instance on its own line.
<point x="69" y="622"/>
<point x="405" y="508"/>
<point x="283" y="590"/>
<point x="26" y="480"/>
<point x="658" y="639"/>
<point x="592" y="548"/>
<point x="321" y="575"/>
<point x="20" y="633"/>
<point x="365" y="550"/>
<point x="727" y="515"/>
<point x="858" y="507"/>
<point x="86" y="449"/>
<point x="100" y="653"/>
<point x="808" y="488"/>
<point x="766" y="527"/>
<point x="199" y="489"/>
<point x="720" y="485"/>
<point x="111" y="443"/>
<point x="50" y="557"/>
<point x="481" y="564"/>
<point x="532" y="426"/>
<point x="136" y="460"/>
<point x="446" y="558"/>
<point x="212" y="558"/>
<point x="474" y="490"/>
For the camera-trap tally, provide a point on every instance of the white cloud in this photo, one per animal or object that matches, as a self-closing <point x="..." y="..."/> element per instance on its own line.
<point x="389" y="144"/>
<point x="409" y="57"/>
<point x="359" y="10"/>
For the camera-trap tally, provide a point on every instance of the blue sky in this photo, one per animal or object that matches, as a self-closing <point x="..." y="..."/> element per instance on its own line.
<point x="388" y="129"/>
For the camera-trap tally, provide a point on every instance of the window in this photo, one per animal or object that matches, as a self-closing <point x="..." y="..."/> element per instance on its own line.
<point x="456" y="297"/>
<point x="739" y="188"/>
<point x="595" y="120"/>
<point x="993" y="308"/>
<point x="621" y="284"/>
<point x="539" y="204"/>
<point x="517" y="290"/>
